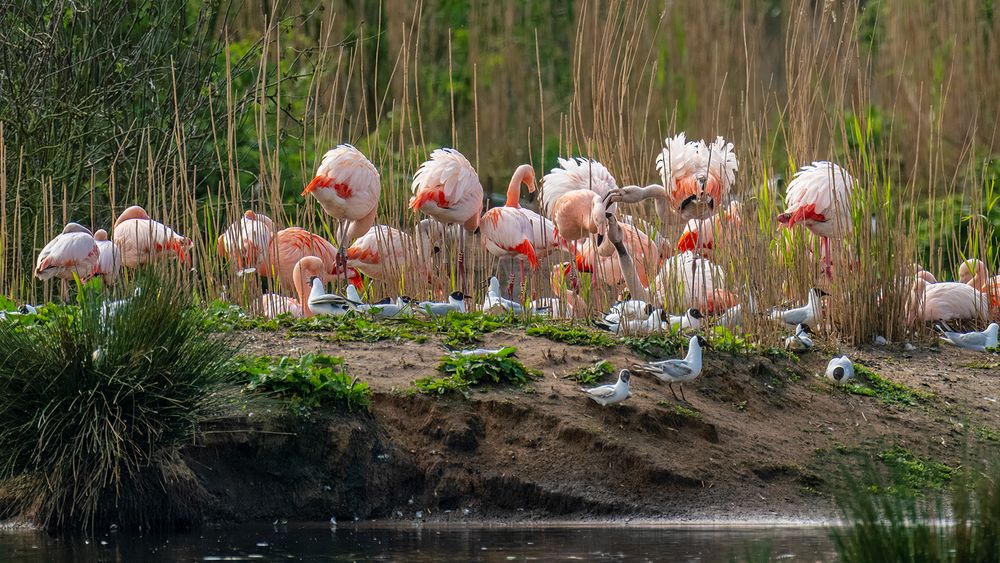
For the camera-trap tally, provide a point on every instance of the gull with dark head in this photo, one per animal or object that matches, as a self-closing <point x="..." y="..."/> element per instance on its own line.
<point x="679" y="370"/>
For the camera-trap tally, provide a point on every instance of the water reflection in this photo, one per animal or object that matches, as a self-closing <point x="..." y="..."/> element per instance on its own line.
<point x="313" y="542"/>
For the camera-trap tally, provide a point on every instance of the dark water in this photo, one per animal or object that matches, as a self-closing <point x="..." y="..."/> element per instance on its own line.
<point x="427" y="543"/>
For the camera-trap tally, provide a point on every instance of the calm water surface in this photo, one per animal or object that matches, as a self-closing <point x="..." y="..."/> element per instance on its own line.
<point x="305" y="542"/>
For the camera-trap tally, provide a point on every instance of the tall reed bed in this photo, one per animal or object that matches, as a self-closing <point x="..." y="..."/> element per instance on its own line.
<point x="904" y="107"/>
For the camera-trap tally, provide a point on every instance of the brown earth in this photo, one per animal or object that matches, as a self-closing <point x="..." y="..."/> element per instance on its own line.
<point x="761" y="445"/>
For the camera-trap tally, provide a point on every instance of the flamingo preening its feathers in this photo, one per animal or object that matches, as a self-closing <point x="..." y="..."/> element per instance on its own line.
<point x="819" y="197"/>
<point x="698" y="176"/>
<point x="71" y="254"/>
<point x="143" y="240"/>
<point x="573" y="197"/>
<point x="347" y="187"/>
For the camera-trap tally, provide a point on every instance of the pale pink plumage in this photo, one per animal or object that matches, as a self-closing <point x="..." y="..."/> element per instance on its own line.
<point x="110" y="260"/>
<point x="272" y="305"/>
<point x="514" y="232"/>
<point x="697" y="175"/>
<point x="287" y="247"/>
<point x="696" y="280"/>
<point x="573" y="197"/>
<point x="245" y="242"/>
<point x="606" y="267"/>
<point x="819" y="197"/>
<point x="143" y="241"/>
<point x="701" y="235"/>
<point x="72" y="253"/>
<point x="347" y="187"/>
<point x="447" y="188"/>
<point x="946" y="301"/>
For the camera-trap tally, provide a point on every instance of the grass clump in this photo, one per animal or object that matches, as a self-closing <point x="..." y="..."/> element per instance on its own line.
<point x="359" y="328"/>
<point x="592" y="373"/>
<point x="724" y="340"/>
<point x="572" y="335"/>
<point x="500" y="368"/>
<point x="94" y="408"/>
<point x="912" y="474"/>
<point x="680" y="410"/>
<point x="462" y="329"/>
<point x="888" y="392"/>
<point x="310" y="381"/>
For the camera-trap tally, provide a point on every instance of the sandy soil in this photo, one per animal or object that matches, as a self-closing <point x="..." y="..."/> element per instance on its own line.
<point x="758" y="447"/>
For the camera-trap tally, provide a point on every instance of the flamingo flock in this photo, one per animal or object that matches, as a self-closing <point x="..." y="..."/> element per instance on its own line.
<point x="581" y="218"/>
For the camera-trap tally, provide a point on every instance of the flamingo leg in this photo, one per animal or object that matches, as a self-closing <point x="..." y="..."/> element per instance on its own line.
<point x="523" y="284"/>
<point x="826" y="257"/>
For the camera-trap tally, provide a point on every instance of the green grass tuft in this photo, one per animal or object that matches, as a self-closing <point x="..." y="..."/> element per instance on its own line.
<point x="888" y="392"/>
<point x="592" y="373"/>
<point x="680" y="410"/>
<point x="575" y="336"/>
<point x="462" y="372"/>
<point x="311" y="381"/>
<point x="657" y="345"/>
<point x="94" y="408"/>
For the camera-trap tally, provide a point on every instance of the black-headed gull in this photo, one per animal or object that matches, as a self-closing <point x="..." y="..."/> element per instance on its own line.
<point x="323" y="303"/>
<point x="610" y="394"/>
<point x="690" y="319"/>
<point x="806" y="314"/>
<point x="652" y="323"/>
<point x="975" y="340"/>
<point x="800" y="341"/>
<point x="494" y="299"/>
<point x="456" y="302"/>
<point x="840" y="369"/>
<point x="679" y="370"/>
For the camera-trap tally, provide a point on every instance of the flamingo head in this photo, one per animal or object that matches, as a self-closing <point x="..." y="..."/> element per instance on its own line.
<point x="972" y="270"/>
<point x="101" y="235"/>
<point x="75" y="228"/>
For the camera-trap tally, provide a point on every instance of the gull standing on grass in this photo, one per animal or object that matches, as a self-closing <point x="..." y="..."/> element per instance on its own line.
<point x="677" y="371"/>
<point x="840" y="369"/>
<point x="807" y="314"/>
<point x="611" y="394"/>
<point x="975" y="340"/>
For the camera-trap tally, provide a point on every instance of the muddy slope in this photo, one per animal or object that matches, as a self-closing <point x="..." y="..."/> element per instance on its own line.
<point x="754" y="438"/>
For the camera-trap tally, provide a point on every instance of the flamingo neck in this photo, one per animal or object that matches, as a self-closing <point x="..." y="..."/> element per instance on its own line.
<point x="524" y="174"/>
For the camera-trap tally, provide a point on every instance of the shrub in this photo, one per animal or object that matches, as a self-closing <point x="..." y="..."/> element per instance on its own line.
<point x="592" y="373"/>
<point x="310" y="381"/>
<point x="94" y="407"/>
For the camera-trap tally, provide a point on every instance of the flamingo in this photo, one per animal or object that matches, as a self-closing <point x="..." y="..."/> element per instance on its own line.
<point x="974" y="273"/>
<point x="696" y="178"/>
<point x="245" y="241"/>
<point x="143" y="240"/>
<point x="347" y="187"/>
<point x="946" y="301"/>
<point x="73" y="253"/>
<point x="384" y="252"/>
<point x="700" y="235"/>
<point x="253" y="246"/>
<point x="514" y="232"/>
<point x="819" y="197"/>
<point x="608" y="268"/>
<point x="110" y="260"/>
<point x="697" y="280"/>
<point x="447" y="188"/>
<point x="573" y="197"/>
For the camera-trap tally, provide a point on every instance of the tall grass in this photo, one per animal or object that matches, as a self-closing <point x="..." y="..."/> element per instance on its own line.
<point x="96" y="403"/>
<point x="906" y="108"/>
<point x="887" y="522"/>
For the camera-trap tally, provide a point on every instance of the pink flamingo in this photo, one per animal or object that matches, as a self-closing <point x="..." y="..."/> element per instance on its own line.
<point x="447" y="189"/>
<point x="607" y="268"/>
<point x="700" y="235"/>
<point x="110" y="260"/>
<point x="945" y="301"/>
<point x="272" y="305"/>
<point x="513" y="232"/>
<point x="573" y="197"/>
<point x="347" y="187"/>
<point x="253" y="246"/>
<point x="383" y="253"/>
<point x="819" y="197"/>
<point x="71" y="254"/>
<point x="245" y="242"/>
<point x="696" y="178"/>
<point x="143" y="240"/>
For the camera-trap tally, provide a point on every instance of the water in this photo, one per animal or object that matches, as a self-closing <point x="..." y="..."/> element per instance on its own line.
<point x="315" y="542"/>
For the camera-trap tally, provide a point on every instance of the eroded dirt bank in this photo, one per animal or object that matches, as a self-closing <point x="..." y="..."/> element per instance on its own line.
<point x="757" y="438"/>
